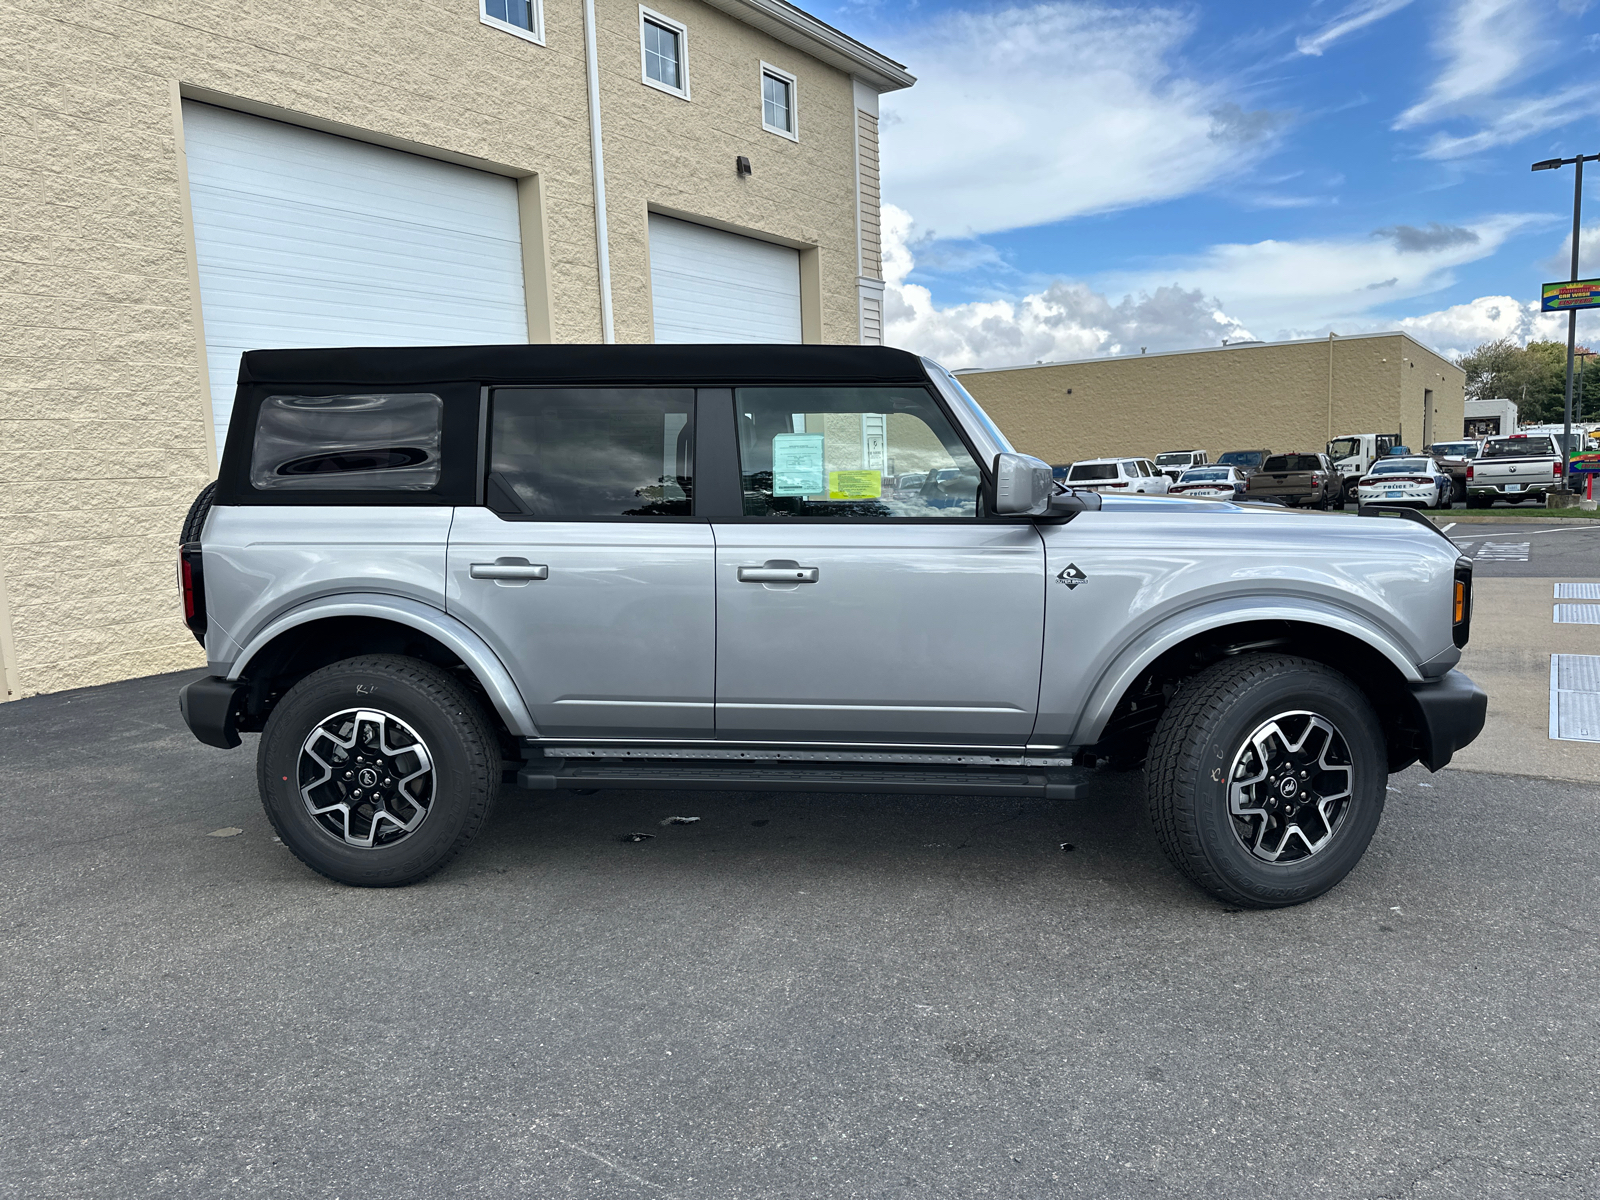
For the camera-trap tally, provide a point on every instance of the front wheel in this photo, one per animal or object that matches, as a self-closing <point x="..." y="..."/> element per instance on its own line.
<point x="377" y="771"/>
<point x="1265" y="779"/>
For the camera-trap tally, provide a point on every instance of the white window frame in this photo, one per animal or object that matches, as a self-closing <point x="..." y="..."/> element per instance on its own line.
<point x="651" y="16"/>
<point x="534" y="35"/>
<point x="794" y="102"/>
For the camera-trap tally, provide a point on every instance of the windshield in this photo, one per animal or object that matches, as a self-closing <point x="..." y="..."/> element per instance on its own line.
<point x="1404" y="466"/>
<point x="1204" y="475"/>
<point x="1087" y="471"/>
<point x="1242" y="458"/>
<point x="1175" y="460"/>
<point x="1455" y="449"/>
<point x="1518" y="447"/>
<point x="1290" y="462"/>
<point x="1344" y="447"/>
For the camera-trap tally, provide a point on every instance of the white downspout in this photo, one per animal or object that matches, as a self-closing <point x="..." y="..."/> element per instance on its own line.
<point x="608" y="332"/>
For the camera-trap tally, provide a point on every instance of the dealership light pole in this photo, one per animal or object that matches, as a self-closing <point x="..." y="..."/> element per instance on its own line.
<point x="1550" y="164"/>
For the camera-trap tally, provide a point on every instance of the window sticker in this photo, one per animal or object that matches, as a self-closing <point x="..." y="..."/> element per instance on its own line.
<point x="797" y="464"/>
<point x="854" y="485"/>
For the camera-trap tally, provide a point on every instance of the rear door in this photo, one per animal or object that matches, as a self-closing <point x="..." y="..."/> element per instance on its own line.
<point x="586" y="570"/>
<point x="849" y="613"/>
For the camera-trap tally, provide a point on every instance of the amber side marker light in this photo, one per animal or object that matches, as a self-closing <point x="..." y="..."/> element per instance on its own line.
<point x="1461" y="601"/>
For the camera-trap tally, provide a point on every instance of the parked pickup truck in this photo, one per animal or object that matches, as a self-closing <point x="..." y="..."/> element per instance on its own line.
<point x="1453" y="459"/>
<point x="426" y="573"/>
<point x="1515" y="468"/>
<point x="1296" y="479"/>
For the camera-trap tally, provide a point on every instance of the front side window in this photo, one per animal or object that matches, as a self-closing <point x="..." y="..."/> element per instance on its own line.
<point x="525" y="18"/>
<point x="662" y="45"/>
<point x="851" y="453"/>
<point x="777" y="102"/>
<point x="387" y="442"/>
<point x="570" y="454"/>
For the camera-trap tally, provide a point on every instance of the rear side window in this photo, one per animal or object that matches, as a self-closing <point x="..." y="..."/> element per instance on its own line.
<point x="571" y="454"/>
<point x="1087" y="472"/>
<point x="382" y="442"/>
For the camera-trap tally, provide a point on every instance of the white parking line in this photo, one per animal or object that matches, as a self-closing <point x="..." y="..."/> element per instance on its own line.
<point x="1503" y="552"/>
<point x="1577" y="591"/>
<point x="1577" y="614"/>
<point x="1575" y="697"/>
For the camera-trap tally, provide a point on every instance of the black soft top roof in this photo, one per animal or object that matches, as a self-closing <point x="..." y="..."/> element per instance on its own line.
<point x="631" y="364"/>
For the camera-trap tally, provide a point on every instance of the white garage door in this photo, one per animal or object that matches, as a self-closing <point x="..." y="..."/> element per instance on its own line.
<point x="711" y="286"/>
<point x="305" y="239"/>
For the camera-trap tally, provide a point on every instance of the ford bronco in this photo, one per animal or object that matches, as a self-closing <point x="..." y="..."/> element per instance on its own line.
<point x="423" y="572"/>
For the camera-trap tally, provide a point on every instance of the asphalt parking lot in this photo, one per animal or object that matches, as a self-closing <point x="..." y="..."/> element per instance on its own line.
<point x="830" y="996"/>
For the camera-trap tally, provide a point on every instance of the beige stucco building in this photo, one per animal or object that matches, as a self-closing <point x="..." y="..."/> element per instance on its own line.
<point x="1276" y="396"/>
<point x="184" y="181"/>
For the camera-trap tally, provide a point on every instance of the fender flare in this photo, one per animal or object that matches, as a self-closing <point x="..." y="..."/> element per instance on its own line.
<point x="1149" y="644"/>
<point x="484" y="664"/>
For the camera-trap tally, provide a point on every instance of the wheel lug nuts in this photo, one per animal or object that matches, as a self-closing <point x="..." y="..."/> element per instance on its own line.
<point x="349" y="774"/>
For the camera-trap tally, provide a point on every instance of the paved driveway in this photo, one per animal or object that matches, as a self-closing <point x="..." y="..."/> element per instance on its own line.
<point x="829" y="996"/>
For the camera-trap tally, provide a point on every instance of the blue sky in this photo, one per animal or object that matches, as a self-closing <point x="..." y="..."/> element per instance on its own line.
<point x="1070" y="179"/>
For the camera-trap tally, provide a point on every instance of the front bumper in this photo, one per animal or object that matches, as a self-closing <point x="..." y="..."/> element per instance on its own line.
<point x="1449" y="714"/>
<point x="210" y="707"/>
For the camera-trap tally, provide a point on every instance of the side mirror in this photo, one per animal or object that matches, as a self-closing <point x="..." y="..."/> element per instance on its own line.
<point x="1023" y="485"/>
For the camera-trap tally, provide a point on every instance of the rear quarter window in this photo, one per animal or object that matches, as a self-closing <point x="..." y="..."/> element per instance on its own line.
<point x="1088" y="472"/>
<point x="385" y="442"/>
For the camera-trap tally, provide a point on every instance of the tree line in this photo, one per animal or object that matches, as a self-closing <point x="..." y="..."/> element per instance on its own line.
<point x="1535" y="376"/>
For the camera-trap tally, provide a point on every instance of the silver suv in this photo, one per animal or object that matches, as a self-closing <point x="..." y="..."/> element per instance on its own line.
<point x="424" y="572"/>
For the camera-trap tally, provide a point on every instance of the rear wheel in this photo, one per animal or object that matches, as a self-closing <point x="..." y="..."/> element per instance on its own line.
<point x="377" y="771"/>
<point x="1265" y="779"/>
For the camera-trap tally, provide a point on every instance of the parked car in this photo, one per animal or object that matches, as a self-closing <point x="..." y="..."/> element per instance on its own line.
<point x="910" y="483"/>
<point x="1405" y="481"/>
<point x="1173" y="463"/>
<point x="1210" y="483"/>
<point x="425" y="573"/>
<point x="1514" y="468"/>
<point x="1454" y="458"/>
<point x="1130" y="476"/>
<point x="1297" y="478"/>
<point x="1246" y="462"/>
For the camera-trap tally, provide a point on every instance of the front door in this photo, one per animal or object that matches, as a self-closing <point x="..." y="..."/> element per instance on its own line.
<point x="586" y="571"/>
<point x="849" y="609"/>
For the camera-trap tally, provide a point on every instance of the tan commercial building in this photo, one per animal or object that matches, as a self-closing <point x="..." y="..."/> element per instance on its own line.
<point x="184" y="182"/>
<point x="1250" y="396"/>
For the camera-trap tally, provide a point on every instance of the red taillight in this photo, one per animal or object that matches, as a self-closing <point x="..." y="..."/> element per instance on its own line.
<point x="1559" y="467"/>
<point x="192" y="585"/>
<point x="1469" y="470"/>
<point x="1118" y="484"/>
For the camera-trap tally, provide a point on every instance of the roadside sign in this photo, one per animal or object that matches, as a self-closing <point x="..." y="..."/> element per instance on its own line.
<point x="1580" y="293"/>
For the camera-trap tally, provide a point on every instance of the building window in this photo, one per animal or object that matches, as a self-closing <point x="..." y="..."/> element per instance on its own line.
<point x="664" y="50"/>
<point x="525" y="18"/>
<point x="778" y="103"/>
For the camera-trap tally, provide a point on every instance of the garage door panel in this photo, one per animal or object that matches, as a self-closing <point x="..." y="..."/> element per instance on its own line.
<point x="305" y="239"/>
<point x="708" y="285"/>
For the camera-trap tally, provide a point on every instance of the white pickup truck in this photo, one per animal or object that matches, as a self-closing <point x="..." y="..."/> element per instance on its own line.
<point x="1515" y="469"/>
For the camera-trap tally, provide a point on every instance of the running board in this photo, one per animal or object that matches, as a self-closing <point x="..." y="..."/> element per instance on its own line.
<point x="793" y="777"/>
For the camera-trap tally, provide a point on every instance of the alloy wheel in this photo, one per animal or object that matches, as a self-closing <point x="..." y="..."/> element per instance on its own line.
<point x="366" y="778"/>
<point x="1290" y="787"/>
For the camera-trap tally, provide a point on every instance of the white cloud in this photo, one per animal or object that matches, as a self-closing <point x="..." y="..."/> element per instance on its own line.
<point x="1024" y="116"/>
<point x="1486" y="44"/>
<point x="1357" y="16"/>
<point x="1063" y="321"/>
<point x="1457" y="329"/>
<point x="1279" y="289"/>
<point x="1523" y="118"/>
<point x="1286" y="286"/>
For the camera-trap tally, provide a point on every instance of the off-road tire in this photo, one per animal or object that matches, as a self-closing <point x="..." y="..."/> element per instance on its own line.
<point x="195" y="521"/>
<point x="1193" y="750"/>
<point x="463" y="744"/>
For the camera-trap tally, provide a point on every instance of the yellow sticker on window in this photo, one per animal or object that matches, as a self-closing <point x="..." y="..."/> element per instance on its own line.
<point x="854" y="485"/>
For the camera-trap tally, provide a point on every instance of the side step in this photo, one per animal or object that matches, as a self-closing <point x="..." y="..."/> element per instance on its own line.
<point x="546" y="775"/>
